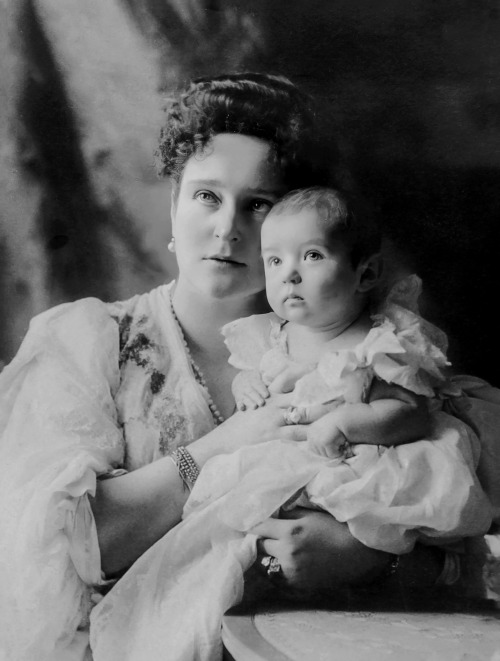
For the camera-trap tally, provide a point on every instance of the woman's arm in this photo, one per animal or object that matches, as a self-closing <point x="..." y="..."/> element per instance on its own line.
<point x="133" y="511"/>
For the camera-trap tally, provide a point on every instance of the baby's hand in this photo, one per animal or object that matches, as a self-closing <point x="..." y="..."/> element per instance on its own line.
<point x="325" y="438"/>
<point x="249" y="390"/>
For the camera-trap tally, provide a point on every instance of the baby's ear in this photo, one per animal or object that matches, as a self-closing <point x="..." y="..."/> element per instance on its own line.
<point x="370" y="272"/>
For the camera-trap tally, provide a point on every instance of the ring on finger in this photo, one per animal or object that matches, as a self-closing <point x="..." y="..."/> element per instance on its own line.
<point x="292" y="415"/>
<point x="271" y="564"/>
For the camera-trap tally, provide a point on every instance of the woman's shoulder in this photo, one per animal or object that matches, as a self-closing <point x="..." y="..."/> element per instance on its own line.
<point x="85" y="327"/>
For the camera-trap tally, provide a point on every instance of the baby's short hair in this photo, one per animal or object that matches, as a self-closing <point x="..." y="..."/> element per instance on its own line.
<point x="346" y="219"/>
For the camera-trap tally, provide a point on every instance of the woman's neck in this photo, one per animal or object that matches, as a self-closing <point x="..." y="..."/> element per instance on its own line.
<point x="202" y="317"/>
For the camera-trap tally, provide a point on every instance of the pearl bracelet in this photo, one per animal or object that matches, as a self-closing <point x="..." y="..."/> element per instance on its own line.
<point x="186" y="465"/>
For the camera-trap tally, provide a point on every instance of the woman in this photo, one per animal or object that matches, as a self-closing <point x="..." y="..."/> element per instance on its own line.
<point x="117" y="391"/>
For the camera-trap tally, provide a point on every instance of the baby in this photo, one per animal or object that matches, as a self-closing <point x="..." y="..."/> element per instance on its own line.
<point x="321" y="264"/>
<point x="369" y="377"/>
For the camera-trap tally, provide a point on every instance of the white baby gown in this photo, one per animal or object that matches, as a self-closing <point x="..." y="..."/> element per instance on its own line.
<point x="170" y="603"/>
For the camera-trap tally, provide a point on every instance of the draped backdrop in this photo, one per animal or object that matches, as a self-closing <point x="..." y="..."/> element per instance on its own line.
<point x="410" y="96"/>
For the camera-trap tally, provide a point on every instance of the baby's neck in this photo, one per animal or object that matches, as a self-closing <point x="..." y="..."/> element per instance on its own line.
<point x="307" y="344"/>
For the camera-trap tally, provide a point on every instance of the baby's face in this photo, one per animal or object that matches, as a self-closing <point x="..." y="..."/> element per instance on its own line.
<point x="309" y="279"/>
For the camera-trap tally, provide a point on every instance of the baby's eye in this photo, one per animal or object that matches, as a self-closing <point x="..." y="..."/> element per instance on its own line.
<point x="274" y="261"/>
<point x="313" y="256"/>
<point x="206" y="197"/>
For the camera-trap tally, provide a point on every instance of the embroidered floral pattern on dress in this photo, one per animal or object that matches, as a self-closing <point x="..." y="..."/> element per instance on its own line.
<point x="173" y="426"/>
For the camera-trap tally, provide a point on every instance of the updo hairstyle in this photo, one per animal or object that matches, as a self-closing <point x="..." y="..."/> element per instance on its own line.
<point x="263" y="106"/>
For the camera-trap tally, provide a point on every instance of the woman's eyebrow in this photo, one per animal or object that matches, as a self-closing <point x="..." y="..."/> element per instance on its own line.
<point x="204" y="182"/>
<point x="273" y="192"/>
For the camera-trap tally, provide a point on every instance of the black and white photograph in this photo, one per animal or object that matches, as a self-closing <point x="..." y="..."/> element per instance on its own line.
<point x="249" y="392"/>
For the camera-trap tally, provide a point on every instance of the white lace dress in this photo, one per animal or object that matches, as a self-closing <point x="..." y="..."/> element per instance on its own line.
<point x="172" y="600"/>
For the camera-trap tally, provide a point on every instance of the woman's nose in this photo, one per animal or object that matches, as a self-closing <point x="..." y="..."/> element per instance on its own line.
<point x="227" y="224"/>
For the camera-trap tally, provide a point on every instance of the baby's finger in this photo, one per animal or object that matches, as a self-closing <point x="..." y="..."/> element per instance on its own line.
<point x="249" y="403"/>
<point x="262" y="389"/>
<point x="256" y="399"/>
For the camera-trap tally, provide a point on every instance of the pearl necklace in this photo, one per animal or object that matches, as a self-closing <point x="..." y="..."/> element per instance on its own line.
<point x="198" y="374"/>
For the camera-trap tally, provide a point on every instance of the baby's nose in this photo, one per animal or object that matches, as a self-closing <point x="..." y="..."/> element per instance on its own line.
<point x="293" y="276"/>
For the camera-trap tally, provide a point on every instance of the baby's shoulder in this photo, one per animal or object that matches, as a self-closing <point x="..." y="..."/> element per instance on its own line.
<point x="249" y="338"/>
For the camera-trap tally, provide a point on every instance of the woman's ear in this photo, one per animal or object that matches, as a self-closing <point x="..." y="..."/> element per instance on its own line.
<point x="370" y="272"/>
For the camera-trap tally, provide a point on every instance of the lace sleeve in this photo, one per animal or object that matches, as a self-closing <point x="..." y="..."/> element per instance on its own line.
<point x="421" y="357"/>
<point x="57" y="433"/>
<point x="248" y="339"/>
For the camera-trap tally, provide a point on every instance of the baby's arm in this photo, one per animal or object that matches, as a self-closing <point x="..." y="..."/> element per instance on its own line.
<point x="392" y="416"/>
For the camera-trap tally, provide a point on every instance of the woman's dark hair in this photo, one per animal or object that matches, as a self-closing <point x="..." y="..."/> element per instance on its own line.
<point x="259" y="105"/>
<point x="345" y="217"/>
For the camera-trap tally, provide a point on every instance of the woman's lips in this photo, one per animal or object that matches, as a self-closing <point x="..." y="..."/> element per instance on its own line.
<point x="224" y="260"/>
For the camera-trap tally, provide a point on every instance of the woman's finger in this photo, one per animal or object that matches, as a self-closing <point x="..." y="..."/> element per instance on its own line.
<point x="314" y="412"/>
<point x="270" y="547"/>
<point x="295" y="513"/>
<point x="271" y="529"/>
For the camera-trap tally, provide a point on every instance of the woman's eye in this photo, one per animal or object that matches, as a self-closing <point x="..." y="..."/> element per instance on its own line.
<point x="206" y="197"/>
<point x="261" y="206"/>
<point x="313" y="256"/>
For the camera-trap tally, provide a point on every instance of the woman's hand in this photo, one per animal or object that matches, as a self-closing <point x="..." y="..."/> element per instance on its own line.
<point x="317" y="554"/>
<point x="243" y="428"/>
<point x="260" y="425"/>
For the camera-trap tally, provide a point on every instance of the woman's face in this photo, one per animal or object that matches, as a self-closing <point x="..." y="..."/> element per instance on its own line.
<point x="223" y="197"/>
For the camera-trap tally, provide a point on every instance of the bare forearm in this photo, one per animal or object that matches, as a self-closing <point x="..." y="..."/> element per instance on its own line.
<point x="133" y="511"/>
